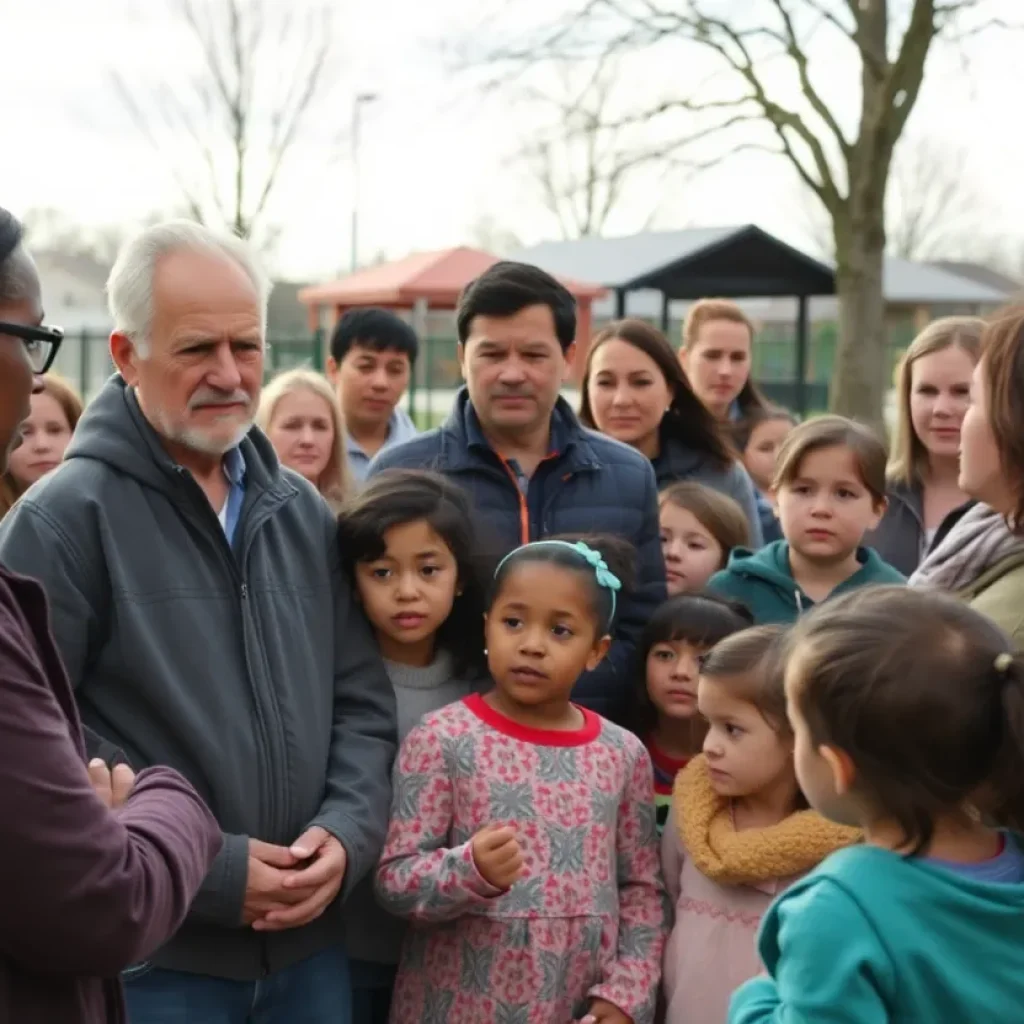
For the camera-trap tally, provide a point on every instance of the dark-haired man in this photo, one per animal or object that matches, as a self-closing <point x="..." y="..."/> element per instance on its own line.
<point x="532" y="469"/>
<point x="372" y="355"/>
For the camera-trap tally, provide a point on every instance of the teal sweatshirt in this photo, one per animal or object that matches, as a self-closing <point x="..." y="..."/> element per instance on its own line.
<point x="764" y="582"/>
<point x="872" y="938"/>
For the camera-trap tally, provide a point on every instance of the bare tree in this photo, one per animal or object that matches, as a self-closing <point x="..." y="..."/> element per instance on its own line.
<point x="227" y="134"/>
<point x="934" y="208"/>
<point x="752" y="43"/>
<point x="584" y="163"/>
<point x="492" y="235"/>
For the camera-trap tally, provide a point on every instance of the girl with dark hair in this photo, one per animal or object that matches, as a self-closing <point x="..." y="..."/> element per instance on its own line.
<point x="634" y="390"/>
<point x="664" y="713"/>
<point x="522" y="836"/>
<point x="739" y="830"/>
<point x="409" y="543"/>
<point x="908" y="714"/>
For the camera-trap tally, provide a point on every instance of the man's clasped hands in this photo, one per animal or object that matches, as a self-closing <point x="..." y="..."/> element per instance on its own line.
<point x="286" y="886"/>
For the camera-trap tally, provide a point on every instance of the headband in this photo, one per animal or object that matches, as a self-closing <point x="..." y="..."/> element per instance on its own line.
<point x="606" y="579"/>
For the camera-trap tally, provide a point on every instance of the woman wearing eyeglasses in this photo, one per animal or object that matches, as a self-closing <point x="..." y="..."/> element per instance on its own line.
<point x="101" y="866"/>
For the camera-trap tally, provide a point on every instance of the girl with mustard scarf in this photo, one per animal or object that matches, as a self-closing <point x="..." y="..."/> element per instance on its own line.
<point x="739" y="831"/>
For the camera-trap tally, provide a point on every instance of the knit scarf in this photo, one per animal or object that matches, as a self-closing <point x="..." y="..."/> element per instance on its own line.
<point x="979" y="540"/>
<point x="793" y="846"/>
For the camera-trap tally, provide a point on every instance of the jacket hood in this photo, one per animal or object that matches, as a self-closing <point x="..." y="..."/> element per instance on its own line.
<point x="770" y="565"/>
<point x="973" y="917"/>
<point x="113" y="430"/>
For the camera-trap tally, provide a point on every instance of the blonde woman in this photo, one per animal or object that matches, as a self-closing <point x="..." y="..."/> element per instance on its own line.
<point x="933" y="392"/>
<point x="300" y="414"/>
<point x="45" y="436"/>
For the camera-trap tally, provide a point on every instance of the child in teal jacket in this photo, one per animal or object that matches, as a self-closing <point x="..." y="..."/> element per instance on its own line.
<point x="829" y="487"/>
<point x="906" y="705"/>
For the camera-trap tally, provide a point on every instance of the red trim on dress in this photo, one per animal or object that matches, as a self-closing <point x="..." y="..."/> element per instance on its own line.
<point x="589" y="731"/>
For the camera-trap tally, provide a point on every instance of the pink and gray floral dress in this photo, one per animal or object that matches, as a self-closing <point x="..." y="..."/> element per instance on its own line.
<point x="588" y="918"/>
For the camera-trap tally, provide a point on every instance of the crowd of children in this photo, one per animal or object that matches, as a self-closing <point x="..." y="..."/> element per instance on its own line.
<point x="826" y="797"/>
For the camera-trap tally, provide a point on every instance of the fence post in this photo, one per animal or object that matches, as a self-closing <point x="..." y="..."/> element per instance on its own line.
<point x="318" y="350"/>
<point x="85" y="364"/>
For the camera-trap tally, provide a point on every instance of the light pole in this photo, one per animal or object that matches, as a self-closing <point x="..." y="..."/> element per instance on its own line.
<point x="360" y="100"/>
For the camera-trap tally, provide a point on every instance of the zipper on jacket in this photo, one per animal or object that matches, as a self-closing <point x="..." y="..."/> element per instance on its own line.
<point x="234" y="566"/>
<point x="277" y="773"/>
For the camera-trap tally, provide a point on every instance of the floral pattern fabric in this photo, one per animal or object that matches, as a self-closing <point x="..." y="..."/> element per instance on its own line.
<point x="588" y="918"/>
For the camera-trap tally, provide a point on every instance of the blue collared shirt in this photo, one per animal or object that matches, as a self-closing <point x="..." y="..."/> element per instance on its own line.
<point x="400" y="428"/>
<point x="234" y="470"/>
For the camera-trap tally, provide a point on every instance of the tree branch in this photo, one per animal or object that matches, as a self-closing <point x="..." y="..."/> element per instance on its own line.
<point x="813" y="97"/>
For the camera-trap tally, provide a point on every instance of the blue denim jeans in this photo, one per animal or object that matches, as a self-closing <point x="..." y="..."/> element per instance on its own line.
<point x="315" y="991"/>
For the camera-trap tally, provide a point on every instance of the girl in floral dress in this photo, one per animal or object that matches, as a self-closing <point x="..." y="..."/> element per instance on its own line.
<point x="522" y="842"/>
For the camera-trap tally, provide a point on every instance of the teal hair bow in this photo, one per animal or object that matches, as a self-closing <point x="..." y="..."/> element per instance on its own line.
<point x="606" y="579"/>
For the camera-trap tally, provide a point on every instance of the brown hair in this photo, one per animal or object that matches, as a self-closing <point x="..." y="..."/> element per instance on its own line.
<point x="686" y="419"/>
<point x="1002" y="367"/>
<point x="823" y="432"/>
<point x="706" y="311"/>
<point x="748" y="666"/>
<point x="924" y="696"/>
<point x="719" y="514"/>
<point x="71" y="405"/>
<point x="908" y="463"/>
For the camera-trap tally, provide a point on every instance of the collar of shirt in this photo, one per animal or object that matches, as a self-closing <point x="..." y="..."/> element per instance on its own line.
<point x="234" y="471"/>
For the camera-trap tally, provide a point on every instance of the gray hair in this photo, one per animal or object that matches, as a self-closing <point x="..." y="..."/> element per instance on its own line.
<point x="19" y="278"/>
<point x="130" y="284"/>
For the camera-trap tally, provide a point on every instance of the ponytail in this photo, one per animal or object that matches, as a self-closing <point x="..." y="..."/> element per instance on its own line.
<point x="1008" y="769"/>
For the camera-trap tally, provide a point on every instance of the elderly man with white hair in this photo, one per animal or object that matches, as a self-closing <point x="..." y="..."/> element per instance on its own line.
<point x="201" y="611"/>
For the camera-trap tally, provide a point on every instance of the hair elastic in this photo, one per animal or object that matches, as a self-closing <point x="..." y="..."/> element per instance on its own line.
<point x="605" y="577"/>
<point x="1003" y="662"/>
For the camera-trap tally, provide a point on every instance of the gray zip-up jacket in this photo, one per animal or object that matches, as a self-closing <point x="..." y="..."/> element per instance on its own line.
<point x="252" y="671"/>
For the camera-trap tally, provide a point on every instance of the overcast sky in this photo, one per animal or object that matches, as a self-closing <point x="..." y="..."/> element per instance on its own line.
<point x="435" y="156"/>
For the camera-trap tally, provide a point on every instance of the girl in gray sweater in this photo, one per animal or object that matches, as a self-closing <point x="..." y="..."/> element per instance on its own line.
<point x="409" y="543"/>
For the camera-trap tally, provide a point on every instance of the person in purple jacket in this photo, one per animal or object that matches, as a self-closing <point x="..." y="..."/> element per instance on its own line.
<point x="101" y="868"/>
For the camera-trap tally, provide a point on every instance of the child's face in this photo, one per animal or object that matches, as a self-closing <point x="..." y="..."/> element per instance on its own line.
<point x="825" y="510"/>
<point x="763" y="448"/>
<point x="672" y="671"/>
<point x="409" y="591"/>
<point x="745" y="754"/>
<point x="692" y="555"/>
<point x="541" y="634"/>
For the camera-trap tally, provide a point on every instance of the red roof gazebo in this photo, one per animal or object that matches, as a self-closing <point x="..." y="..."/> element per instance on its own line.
<point x="426" y="281"/>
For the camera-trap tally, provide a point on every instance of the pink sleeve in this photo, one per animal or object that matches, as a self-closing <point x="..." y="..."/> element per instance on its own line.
<point x="672" y="856"/>
<point x="631" y="981"/>
<point x="420" y="877"/>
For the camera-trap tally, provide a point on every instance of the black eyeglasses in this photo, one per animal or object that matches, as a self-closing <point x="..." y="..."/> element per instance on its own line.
<point x="41" y="343"/>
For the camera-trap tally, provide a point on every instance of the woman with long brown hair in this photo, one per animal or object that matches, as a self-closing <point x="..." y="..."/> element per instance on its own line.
<point x="634" y="390"/>
<point x="45" y="436"/>
<point x="933" y="392"/>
